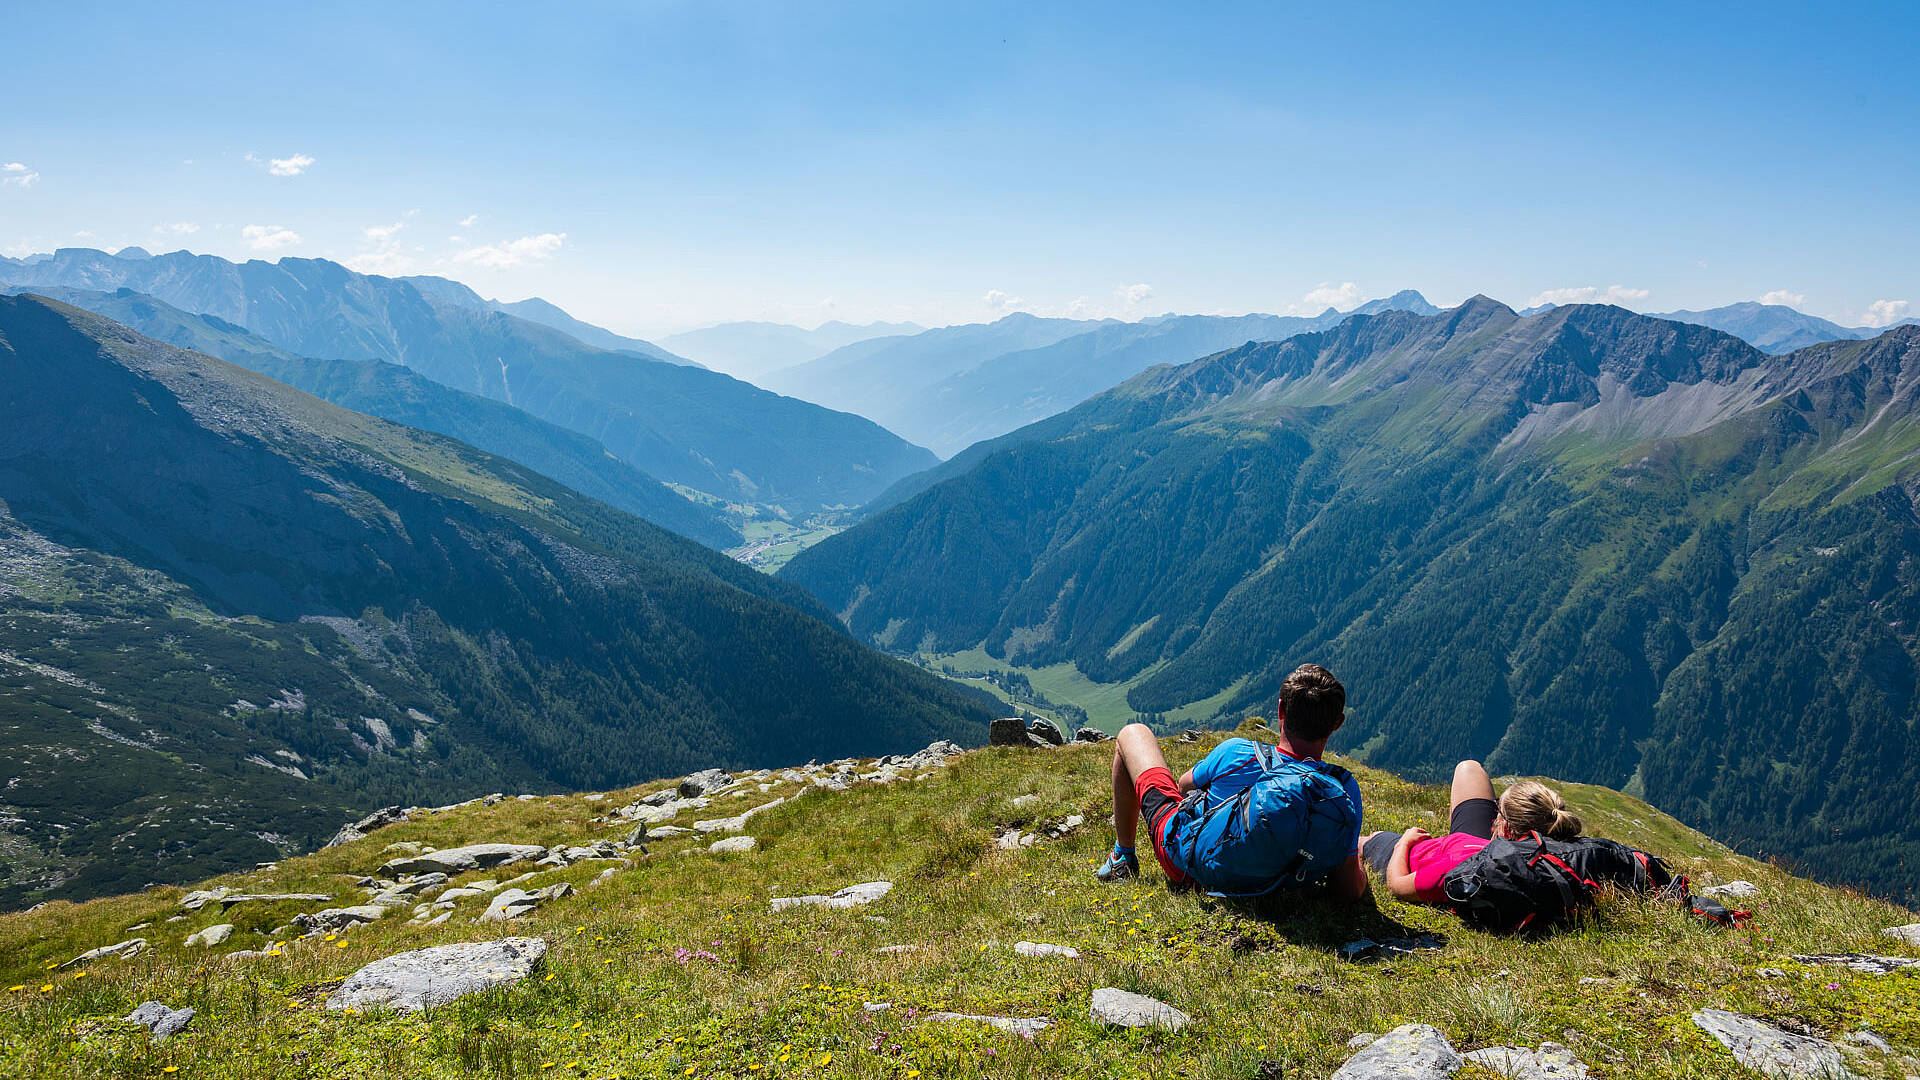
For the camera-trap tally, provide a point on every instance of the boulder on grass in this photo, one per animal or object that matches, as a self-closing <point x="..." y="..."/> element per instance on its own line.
<point x="429" y="978"/>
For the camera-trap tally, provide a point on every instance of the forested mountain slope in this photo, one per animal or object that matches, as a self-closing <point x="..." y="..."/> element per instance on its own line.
<point x="395" y="393"/>
<point x="233" y="613"/>
<point x="1588" y="543"/>
<point x="677" y="423"/>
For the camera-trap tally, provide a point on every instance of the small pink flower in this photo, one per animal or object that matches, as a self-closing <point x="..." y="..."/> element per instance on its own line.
<point x="1833" y="986"/>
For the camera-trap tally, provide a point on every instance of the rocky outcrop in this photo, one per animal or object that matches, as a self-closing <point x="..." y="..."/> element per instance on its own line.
<point x="1120" y="1008"/>
<point x="514" y="903"/>
<point x="129" y="947"/>
<point x="1864" y="963"/>
<point x="462" y="859"/>
<point x="1767" y="1049"/>
<point x="850" y="897"/>
<point x="1408" y="1052"/>
<point x="358" y="830"/>
<point x="320" y="922"/>
<point x="429" y="978"/>
<point x="210" y="936"/>
<point x="1909" y="933"/>
<point x="706" y="782"/>
<point x="1090" y="735"/>
<point x="1551" y="1062"/>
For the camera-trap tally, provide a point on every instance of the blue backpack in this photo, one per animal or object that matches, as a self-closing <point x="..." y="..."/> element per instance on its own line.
<point x="1291" y="826"/>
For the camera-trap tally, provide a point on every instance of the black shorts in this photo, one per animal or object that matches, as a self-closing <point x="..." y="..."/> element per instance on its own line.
<point x="1473" y="817"/>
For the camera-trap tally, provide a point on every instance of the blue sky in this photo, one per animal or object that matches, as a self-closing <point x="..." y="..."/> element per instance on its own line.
<point x="657" y="166"/>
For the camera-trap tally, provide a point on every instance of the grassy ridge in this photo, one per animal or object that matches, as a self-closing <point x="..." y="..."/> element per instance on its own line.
<point x="676" y="967"/>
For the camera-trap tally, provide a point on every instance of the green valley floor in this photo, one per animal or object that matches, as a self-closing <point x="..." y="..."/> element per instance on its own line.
<point x="677" y="964"/>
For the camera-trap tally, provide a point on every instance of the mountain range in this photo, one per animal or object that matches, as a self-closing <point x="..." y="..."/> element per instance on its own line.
<point x="232" y="615"/>
<point x="1689" y="559"/>
<point x="399" y="394"/>
<point x="678" y="423"/>
<point x="752" y="350"/>
<point x="1775" y="328"/>
<point x="952" y="387"/>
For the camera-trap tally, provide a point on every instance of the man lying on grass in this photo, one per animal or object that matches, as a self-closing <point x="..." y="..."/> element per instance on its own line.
<point x="1250" y="818"/>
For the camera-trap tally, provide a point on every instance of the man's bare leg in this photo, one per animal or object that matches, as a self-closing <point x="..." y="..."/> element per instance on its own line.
<point x="1135" y="751"/>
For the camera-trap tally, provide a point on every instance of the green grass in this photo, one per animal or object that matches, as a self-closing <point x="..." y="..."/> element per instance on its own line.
<point x="1105" y="703"/>
<point x="782" y="995"/>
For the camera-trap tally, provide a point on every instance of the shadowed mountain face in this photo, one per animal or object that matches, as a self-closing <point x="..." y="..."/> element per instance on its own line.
<point x="677" y="423"/>
<point x="1589" y="543"/>
<point x="228" y="602"/>
<point x="395" y="393"/>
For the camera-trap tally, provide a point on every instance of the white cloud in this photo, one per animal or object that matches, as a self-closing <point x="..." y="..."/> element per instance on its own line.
<point x="513" y="253"/>
<point x="1135" y="295"/>
<point x="177" y="228"/>
<point x="27" y="246"/>
<point x="467" y="222"/>
<point x="998" y="300"/>
<point x="269" y="237"/>
<point x="84" y="234"/>
<point x="14" y="174"/>
<point x="1782" y="296"/>
<point x="1343" y="296"/>
<point x="289" y="166"/>
<point x="1592" y="294"/>
<point x="381" y="234"/>
<point x="1887" y="312"/>
<point x="387" y="262"/>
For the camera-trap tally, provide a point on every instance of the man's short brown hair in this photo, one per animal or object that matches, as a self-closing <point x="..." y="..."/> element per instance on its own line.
<point x="1313" y="704"/>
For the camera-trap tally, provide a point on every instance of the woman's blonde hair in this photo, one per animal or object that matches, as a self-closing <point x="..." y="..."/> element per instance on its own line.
<point x="1531" y="806"/>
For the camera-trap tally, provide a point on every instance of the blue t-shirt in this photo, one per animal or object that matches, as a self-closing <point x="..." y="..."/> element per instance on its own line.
<point x="1228" y="770"/>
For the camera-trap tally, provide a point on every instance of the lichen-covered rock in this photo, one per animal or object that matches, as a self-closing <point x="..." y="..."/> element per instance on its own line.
<point x="1041" y="949"/>
<point x="514" y="903"/>
<point x="1408" y="1052"/>
<point x="129" y="947"/>
<point x="1767" y="1049"/>
<point x="733" y="845"/>
<point x="849" y="897"/>
<point x="1016" y="1025"/>
<point x="1119" y="1008"/>
<point x="462" y="859"/>
<point x="1551" y="1062"/>
<point x="1734" y="889"/>
<point x="428" y="978"/>
<point x="1862" y="962"/>
<point x="705" y="782"/>
<point x="213" y="935"/>
<point x="1909" y="933"/>
<point x="339" y="918"/>
<point x="359" y="829"/>
<point x="160" y="1020"/>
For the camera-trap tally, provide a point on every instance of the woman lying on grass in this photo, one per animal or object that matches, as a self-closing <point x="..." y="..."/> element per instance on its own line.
<point x="1413" y="862"/>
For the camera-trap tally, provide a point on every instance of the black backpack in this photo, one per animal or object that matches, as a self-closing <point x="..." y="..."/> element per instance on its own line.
<point x="1515" y="886"/>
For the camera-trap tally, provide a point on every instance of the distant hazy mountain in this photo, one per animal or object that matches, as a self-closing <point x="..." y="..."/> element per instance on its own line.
<point x="677" y="423"/>
<point x="1773" y="328"/>
<point x="750" y="350"/>
<point x="1590" y="543"/>
<point x="952" y="387"/>
<point x="403" y="396"/>
<point x="233" y="615"/>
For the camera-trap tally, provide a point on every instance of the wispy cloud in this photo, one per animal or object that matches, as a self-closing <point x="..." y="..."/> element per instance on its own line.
<point x="1887" y="312"/>
<point x="1592" y="294"/>
<point x="1001" y="301"/>
<point x="468" y="221"/>
<point x="269" y="237"/>
<point x="381" y="234"/>
<point x="15" y="174"/>
<point x="292" y="165"/>
<point x="527" y="249"/>
<point x="177" y="228"/>
<point x="1784" y="297"/>
<point x="385" y="257"/>
<point x="1342" y="296"/>
<point x="27" y="246"/>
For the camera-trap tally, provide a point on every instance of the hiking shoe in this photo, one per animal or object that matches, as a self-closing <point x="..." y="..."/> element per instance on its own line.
<point x="1119" y="867"/>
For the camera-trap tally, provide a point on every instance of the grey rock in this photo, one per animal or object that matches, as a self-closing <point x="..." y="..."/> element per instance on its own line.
<point x="705" y="782"/>
<point x="1016" y="1025"/>
<point x="1362" y="1040"/>
<point x="1039" y="949"/>
<point x="216" y="934"/>
<point x="428" y="978"/>
<point x="1767" y="1049"/>
<point x="603" y="877"/>
<point x="1007" y="731"/>
<point x="850" y="897"/>
<point x="637" y="835"/>
<point x="1909" y="933"/>
<point x="514" y="903"/>
<point x="404" y="847"/>
<point x="129" y="947"/>
<point x="876" y="1006"/>
<point x="421" y="883"/>
<point x="359" y="829"/>
<point x="668" y="832"/>
<point x="1047" y="732"/>
<point x="1551" y="1062"/>
<point x="1770" y="973"/>
<point x="160" y="1020"/>
<point x="462" y="859"/>
<point x="793" y="776"/>
<point x="440" y="918"/>
<point x="1733" y="889"/>
<point x="339" y="918"/>
<point x="199" y="898"/>
<point x="1014" y="839"/>
<point x="1869" y="1040"/>
<point x="733" y="845"/>
<point x="661" y="797"/>
<point x="1119" y="1008"/>
<point x="933" y="757"/>
<point x="895" y="950"/>
<point x="1022" y="801"/>
<point x="1090" y="735"/>
<point x="1861" y="962"/>
<point x="1408" y="1052"/>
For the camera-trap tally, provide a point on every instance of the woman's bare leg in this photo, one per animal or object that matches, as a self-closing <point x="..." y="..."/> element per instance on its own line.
<point x="1469" y="782"/>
